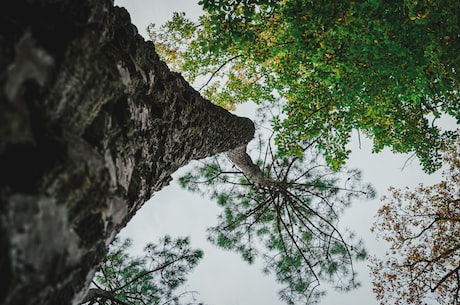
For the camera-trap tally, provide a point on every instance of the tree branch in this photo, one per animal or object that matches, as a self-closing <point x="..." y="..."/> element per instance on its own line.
<point x="218" y="69"/>
<point x="445" y="277"/>
<point x="94" y="293"/>
<point x="145" y="273"/>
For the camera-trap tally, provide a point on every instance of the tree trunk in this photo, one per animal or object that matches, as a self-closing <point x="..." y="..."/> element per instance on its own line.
<point x="91" y="124"/>
<point x="240" y="158"/>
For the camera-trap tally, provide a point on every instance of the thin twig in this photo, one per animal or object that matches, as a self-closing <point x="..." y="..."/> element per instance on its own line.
<point x="218" y="69"/>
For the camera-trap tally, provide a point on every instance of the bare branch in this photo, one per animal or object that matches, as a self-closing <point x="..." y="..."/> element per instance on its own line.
<point x="218" y="69"/>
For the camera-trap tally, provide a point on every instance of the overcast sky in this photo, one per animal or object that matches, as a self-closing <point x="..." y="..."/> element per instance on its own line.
<point x="222" y="278"/>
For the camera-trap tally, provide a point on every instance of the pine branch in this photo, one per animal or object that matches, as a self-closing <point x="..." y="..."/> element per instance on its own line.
<point x="145" y="273"/>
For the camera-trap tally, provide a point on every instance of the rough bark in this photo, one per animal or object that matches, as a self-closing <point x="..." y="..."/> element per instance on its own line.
<point x="91" y="124"/>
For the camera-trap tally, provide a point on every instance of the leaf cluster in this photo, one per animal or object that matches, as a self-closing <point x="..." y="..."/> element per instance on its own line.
<point x="388" y="69"/>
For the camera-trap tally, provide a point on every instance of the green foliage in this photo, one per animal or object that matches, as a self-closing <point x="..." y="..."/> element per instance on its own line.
<point x="290" y="221"/>
<point x="386" y="68"/>
<point x="151" y="279"/>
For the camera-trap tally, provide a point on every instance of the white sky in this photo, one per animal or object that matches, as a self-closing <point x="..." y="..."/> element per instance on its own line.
<point x="222" y="278"/>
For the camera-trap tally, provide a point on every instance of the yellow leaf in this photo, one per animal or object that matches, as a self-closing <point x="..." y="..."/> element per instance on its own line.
<point x="423" y="14"/>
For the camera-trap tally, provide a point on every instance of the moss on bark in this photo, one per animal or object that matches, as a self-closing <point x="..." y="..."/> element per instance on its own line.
<point x="92" y="123"/>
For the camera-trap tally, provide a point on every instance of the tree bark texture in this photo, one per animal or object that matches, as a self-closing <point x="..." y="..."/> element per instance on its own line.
<point x="92" y="123"/>
<point x="243" y="161"/>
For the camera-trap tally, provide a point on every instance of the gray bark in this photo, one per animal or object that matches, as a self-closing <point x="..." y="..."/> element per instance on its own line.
<point x="243" y="161"/>
<point x="92" y="123"/>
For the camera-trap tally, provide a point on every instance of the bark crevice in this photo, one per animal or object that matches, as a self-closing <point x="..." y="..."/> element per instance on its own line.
<point x="92" y="123"/>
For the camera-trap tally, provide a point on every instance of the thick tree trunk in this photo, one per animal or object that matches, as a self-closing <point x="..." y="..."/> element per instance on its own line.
<point x="91" y="124"/>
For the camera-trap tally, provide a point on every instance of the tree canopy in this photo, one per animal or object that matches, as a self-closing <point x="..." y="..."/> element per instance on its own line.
<point x="152" y="279"/>
<point x="286" y="211"/>
<point x="422" y="226"/>
<point x="388" y="69"/>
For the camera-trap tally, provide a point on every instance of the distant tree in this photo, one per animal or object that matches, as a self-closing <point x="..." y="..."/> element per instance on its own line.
<point x="285" y="210"/>
<point x="149" y="280"/>
<point x="423" y="229"/>
<point x="386" y="68"/>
